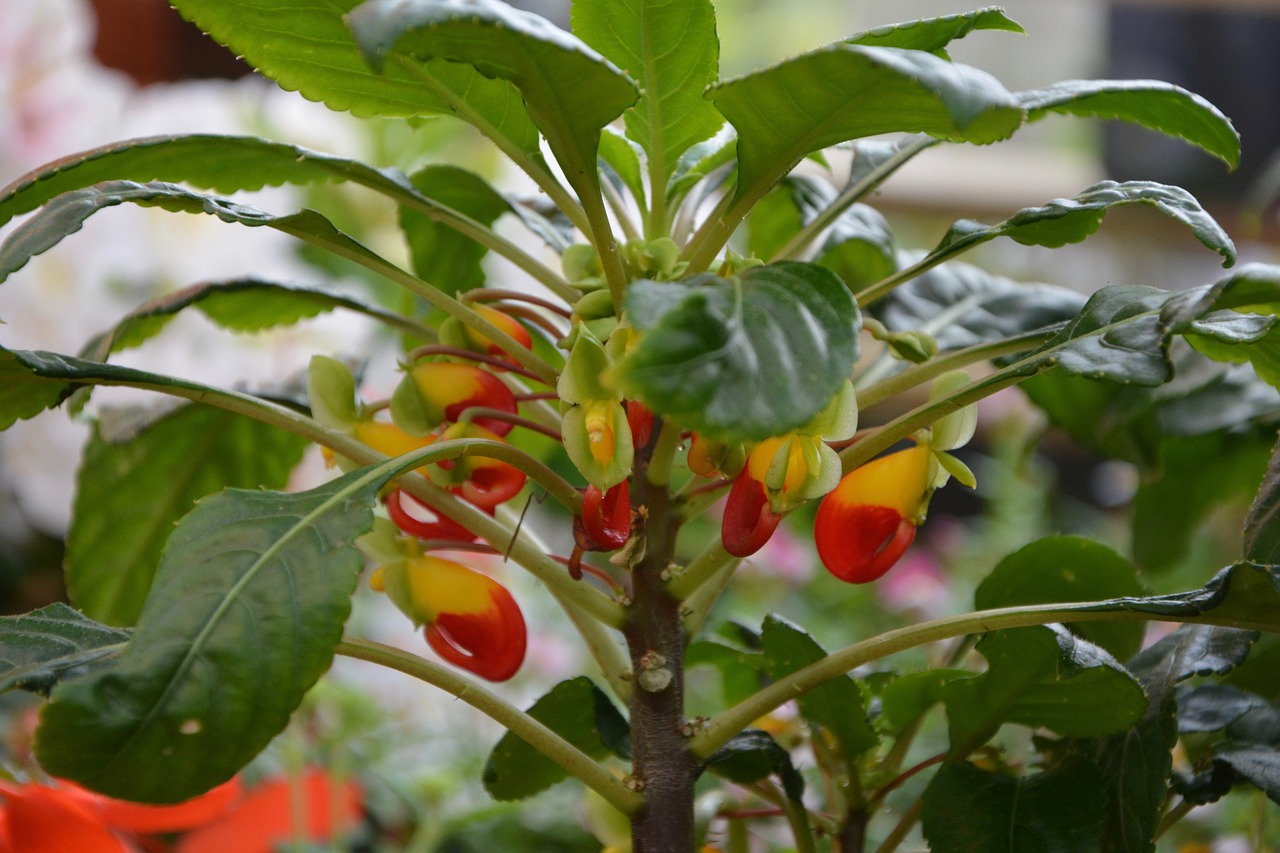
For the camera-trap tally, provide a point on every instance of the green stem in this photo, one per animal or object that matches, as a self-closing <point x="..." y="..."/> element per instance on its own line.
<point x="697" y="607"/>
<point x="608" y="654"/>
<point x="798" y="819"/>
<point x="537" y="735"/>
<point x="851" y="194"/>
<point x="1174" y="815"/>
<point x="902" y="829"/>
<point x="700" y="570"/>
<point x="658" y="473"/>
<point x="728" y="723"/>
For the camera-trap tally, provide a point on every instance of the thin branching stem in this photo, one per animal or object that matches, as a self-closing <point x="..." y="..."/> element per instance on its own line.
<point x="553" y="746"/>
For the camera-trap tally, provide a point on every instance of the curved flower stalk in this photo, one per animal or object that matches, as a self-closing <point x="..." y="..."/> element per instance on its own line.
<point x="470" y="619"/>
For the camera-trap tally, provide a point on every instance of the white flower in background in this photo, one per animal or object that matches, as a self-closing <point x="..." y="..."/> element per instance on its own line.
<point x="54" y="101"/>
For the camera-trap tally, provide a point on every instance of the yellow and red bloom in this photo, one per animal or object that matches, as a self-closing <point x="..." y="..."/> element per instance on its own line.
<point x="437" y="392"/>
<point x="606" y="518"/>
<point x="869" y="520"/>
<point x="455" y="333"/>
<point x="471" y="620"/>
<point x="779" y="475"/>
<point x="482" y="481"/>
<point x="417" y="519"/>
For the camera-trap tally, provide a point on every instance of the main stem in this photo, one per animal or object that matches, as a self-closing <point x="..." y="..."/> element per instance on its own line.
<point x="662" y="762"/>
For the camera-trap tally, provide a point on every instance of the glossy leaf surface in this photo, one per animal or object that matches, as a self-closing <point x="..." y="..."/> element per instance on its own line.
<point x="934" y="34"/>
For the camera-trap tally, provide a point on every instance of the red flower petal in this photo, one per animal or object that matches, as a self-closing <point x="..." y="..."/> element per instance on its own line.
<point x="859" y="543"/>
<point x="150" y="819"/>
<point x="453" y="388"/>
<point x="606" y="516"/>
<point x="264" y="820"/>
<point x="417" y="519"/>
<point x="490" y="643"/>
<point x="51" y="820"/>
<point x="749" y="520"/>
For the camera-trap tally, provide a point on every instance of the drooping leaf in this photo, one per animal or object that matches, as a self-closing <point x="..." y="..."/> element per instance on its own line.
<point x="185" y="707"/>
<point x="836" y="704"/>
<point x="1071" y="220"/>
<point x="306" y="46"/>
<point x="742" y="358"/>
<point x="934" y="34"/>
<point x="52" y="644"/>
<point x="1255" y="764"/>
<point x="968" y="810"/>
<point x="1214" y="707"/>
<point x="239" y="305"/>
<point x="1244" y="596"/>
<point x="112" y="548"/>
<point x="961" y="305"/>
<point x="1067" y="568"/>
<point x="670" y="48"/>
<point x="1041" y="677"/>
<point x="570" y="91"/>
<point x="1152" y="104"/>
<point x="843" y="92"/>
<point x="441" y="255"/>
<point x="578" y="711"/>
<point x="752" y="755"/>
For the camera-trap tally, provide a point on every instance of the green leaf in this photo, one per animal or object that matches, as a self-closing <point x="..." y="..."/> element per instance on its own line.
<point x="1136" y="766"/>
<point x="53" y="644"/>
<point x="1152" y="104"/>
<point x="620" y="158"/>
<point x="1170" y="512"/>
<point x="739" y="668"/>
<point x="570" y="91"/>
<point x="441" y="255"/>
<point x="934" y="34"/>
<point x="961" y="305"/>
<point x="1245" y="595"/>
<point x="25" y="395"/>
<point x="742" y="358"/>
<point x="836" y="704"/>
<point x="908" y="697"/>
<point x="1067" y="568"/>
<point x="305" y="46"/>
<point x="112" y="548"/>
<point x="1191" y="650"/>
<point x="843" y="92"/>
<point x="700" y="161"/>
<point x="1257" y="765"/>
<point x="752" y="755"/>
<point x="578" y="711"/>
<point x="967" y="810"/>
<point x="1214" y="707"/>
<point x="66" y="214"/>
<point x="1071" y="220"/>
<point x="1041" y="677"/>
<point x="239" y="305"/>
<point x="187" y="706"/>
<point x="670" y="48"/>
<point x="1262" y="527"/>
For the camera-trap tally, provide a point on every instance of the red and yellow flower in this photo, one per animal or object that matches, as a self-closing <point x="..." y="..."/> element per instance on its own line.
<point x="470" y="619"/>
<point x="869" y="520"/>
<point x="606" y="518"/>
<point x="454" y="332"/>
<point x="780" y="474"/>
<point x="437" y="392"/>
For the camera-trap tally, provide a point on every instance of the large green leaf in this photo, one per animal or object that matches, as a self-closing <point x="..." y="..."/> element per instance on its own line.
<point x="1067" y="568"/>
<point x="742" y="358"/>
<point x="1153" y="104"/>
<point x="751" y="756"/>
<point x="247" y="606"/>
<point x="961" y="305"/>
<point x="578" y="711"/>
<point x="968" y="810"/>
<point x="570" y="91"/>
<point x="112" y="547"/>
<point x="836" y="705"/>
<point x="41" y="648"/>
<point x="1041" y="677"/>
<point x="1070" y="220"/>
<point x="305" y="46"/>
<point x="843" y="92"/>
<point x="1246" y="330"/>
<point x="441" y="255"/>
<point x="934" y="34"/>
<point x="670" y="48"/>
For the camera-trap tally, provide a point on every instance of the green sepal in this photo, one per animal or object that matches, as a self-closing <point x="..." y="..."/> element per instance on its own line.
<point x="581" y="263"/>
<point x="596" y="305"/>
<point x="951" y="466"/>
<point x="956" y="429"/>
<point x="383" y="544"/>
<point x="582" y="379"/>
<point x="839" y="420"/>
<point x="331" y="391"/>
<point x="411" y="410"/>
<point x="577" y="443"/>
<point x="913" y="345"/>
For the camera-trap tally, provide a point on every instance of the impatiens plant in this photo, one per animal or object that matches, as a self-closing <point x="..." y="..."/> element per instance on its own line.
<point x="713" y="324"/>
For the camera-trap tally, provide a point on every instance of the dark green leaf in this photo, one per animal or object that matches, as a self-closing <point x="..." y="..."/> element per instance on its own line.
<point x="843" y="92"/>
<point x="305" y="46"/>
<point x="670" y="48"/>
<point x="961" y="305"/>
<point x="967" y="810"/>
<point x="1257" y="673"/>
<point x="1170" y="512"/>
<point x="1136" y="765"/>
<point x="1071" y="220"/>
<point x="1041" y="677"/>
<point x="113" y="548"/>
<point x="441" y="255"/>
<point x="752" y="755"/>
<point x="739" y="668"/>
<point x="907" y="698"/>
<point x="743" y="358"/>
<point x="1189" y="651"/>
<point x="1245" y="596"/>
<point x="1213" y="707"/>
<point x="578" y="711"/>
<point x="1152" y="104"/>
<point x="1257" y="765"/>
<point x="934" y="34"/>
<point x="836" y="704"/>
<point x="1262" y="527"/>
<point x="570" y="91"/>
<point x="186" y="706"/>
<point x="66" y="214"/>
<point x="52" y="644"/>
<point x="1067" y="568"/>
